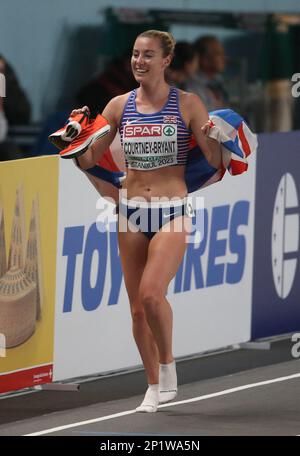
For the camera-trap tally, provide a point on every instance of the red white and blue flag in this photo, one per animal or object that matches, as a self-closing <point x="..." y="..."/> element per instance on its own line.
<point x="228" y="127"/>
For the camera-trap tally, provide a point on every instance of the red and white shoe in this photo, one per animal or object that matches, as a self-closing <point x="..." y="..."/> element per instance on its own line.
<point x="94" y="130"/>
<point x="62" y="137"/>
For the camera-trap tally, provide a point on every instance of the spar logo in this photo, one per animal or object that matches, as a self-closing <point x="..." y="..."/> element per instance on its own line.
<point x="285" y="235"/>
<point x="169" y="130"/>
<point x="143" y="130"/>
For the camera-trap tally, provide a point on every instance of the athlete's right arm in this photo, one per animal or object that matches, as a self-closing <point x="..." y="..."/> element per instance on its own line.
<point x="112" y="113"/>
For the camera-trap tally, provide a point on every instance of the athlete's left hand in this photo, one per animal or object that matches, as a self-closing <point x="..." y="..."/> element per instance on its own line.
<point x="206" y="127"/>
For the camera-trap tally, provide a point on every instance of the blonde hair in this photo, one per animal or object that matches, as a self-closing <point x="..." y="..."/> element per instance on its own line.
<point x="166" y="39"/>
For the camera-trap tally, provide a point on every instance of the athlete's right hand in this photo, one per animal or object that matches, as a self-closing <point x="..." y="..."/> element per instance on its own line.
<point x="84" y="109"/>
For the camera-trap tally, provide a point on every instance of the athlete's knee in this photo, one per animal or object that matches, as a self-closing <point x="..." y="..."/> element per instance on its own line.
<point x="150" y="298"/>
<point x="138" y="314"/>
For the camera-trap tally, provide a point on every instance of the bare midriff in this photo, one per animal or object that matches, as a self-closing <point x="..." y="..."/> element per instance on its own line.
<point x="166" y="182"/>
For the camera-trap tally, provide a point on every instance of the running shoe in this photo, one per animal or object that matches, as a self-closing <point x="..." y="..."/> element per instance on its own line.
<point x="75" y="124"/>
<point x="95" y="129"/>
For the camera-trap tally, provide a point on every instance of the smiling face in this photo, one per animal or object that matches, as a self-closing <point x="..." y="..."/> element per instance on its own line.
<point x="148" y="62"/>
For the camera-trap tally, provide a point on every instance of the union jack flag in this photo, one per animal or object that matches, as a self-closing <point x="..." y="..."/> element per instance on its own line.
<point x="170" y="119"/>
<point x="237" y="143"/>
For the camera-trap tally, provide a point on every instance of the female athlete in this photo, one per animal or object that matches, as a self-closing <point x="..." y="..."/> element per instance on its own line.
<point x="155" y="122"/>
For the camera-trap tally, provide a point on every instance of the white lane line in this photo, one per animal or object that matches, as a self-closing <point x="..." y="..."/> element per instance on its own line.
<point x="171" y="404"/>
<point x="81" y="423"/>
<point x="11" y="395"/>
<point x="233" y="390"/>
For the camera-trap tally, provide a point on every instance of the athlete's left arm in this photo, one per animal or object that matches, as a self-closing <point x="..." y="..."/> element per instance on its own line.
<point x="198" y="117"/>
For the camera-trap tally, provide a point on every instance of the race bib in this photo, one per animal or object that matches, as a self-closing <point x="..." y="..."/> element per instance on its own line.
<point x="150" y="146"/>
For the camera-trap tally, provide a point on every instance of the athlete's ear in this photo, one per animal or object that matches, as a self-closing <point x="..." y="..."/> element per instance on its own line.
<point x="167" y="61"/>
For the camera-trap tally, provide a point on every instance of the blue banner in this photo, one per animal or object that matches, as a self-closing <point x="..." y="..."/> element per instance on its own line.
<point x="276" y="274"/>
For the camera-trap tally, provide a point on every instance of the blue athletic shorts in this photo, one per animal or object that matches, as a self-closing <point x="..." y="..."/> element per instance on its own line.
<point x="149" y="217"/>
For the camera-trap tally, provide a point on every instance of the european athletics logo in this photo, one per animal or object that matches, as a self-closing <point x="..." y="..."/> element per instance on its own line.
<point x="285" y="235"/>
<point x="276" y="287"/>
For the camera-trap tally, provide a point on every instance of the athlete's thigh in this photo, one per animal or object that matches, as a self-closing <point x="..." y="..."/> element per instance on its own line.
<point x="133" y="247"/>
<point x="165" y="253"/>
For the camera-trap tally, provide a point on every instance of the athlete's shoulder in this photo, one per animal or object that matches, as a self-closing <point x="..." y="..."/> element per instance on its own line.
<point x="115" y="107"/>
<point x="191" y="107"/>
<point x="189" y="99"/>
<point x="119" y="101"/>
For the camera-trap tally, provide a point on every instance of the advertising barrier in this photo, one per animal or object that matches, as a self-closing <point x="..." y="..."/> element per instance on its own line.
<point x="28" y="226"/>
<point x="276" y="284"/>
<point x="64" y="309"/>
<point x="210" y="295"/>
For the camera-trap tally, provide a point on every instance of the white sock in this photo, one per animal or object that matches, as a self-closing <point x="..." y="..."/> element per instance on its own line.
<point x="167" y="382"/>
<point x="151" y="399"/>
